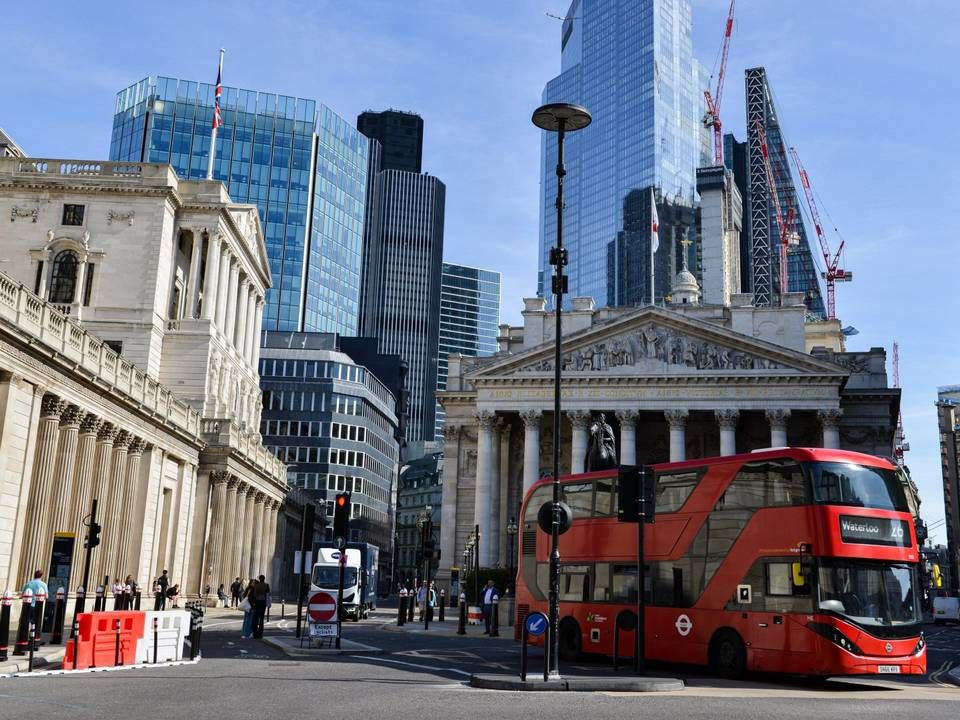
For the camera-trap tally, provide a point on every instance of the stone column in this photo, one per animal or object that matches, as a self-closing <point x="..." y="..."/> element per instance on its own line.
<point x="211" y="276"/>
<point x="81" y="281"/>
<point x="449" y="492"/>
<point x="193" y="278"/>
<point x="113" y="517"/>
<point x="250" y="332"/>
<point x="239" y="529"/>
<point x="531" y="448"/>
<point x="36" y="546"/>
<point x="239" y="334"/>
<point x="269" y="536"/>
<point x="246" y="539"/>
<point x="727" y="420"/>
<point x="579" y="422"/>
<point x="677" y="419"/>
<point x="830" y="420"/>
<point x="223" y="282"/>
<point x="778" y="419"/>
<point x="63" y="475"/>
<point x="128" y="560"/>
<point x="482" y="503"/>
<point x="628" y="436"/>
<point x="218" y="485"/>
<point x="100" y="493"/>
<point x="257" y="525"/>
<point x="228" y="570"/>
<point x="82" y="476"/>
<point x="258" y="325"/>
<point x="232" y="288"/>
<point x="495" y="499"/>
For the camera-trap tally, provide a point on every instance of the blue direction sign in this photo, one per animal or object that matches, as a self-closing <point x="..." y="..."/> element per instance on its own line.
<point x="536" y="624"/>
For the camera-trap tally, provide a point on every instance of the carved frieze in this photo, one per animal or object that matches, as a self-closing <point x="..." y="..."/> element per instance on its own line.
<point x="120" y="216"/>
<point x="24" y="212"/>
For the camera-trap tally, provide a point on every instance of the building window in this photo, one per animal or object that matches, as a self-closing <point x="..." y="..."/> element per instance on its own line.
<point x="64" y="280"/>
<point x="72" y="214"/>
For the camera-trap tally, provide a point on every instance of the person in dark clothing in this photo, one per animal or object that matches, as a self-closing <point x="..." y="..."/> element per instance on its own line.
<point x="259" y="601"/>
<point x="163" y="581"/>
<point x="236" y="590"/>
<point x="172" y="593"/>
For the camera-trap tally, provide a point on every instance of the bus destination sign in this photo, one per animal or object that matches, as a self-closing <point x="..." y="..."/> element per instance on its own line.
<point x="875" y="531"/>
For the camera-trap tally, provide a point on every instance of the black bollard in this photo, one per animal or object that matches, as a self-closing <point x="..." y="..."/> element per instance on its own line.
<point x="40" y="602"/>
<point x="199" y="628"/>
<point x="462" y="626"/>
<point x="5" y="605"/>
<point x="33" y="644"/>
<point x="98" y="603"/>
<point x="59" y="613"/>
<point x="116" y="647"/>
<point x="495" y="625"/>
<point x="402" y="614"/>
<point x="74" y="631"/>
<point x="156" y="631"/>
<point x="23" y="627"/>
<point x="157" y="598"/>
<point x="443" y="602"/>
<point x="411" y="604"/>
<point x="136" y="597"/>
<point x="77" y="609"/>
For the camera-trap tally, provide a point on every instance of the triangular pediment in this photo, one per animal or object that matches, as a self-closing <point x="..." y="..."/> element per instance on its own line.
<point x="657" y="341"/>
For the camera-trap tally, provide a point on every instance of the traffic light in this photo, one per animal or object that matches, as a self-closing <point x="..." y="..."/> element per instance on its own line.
<point x="341" y="516"/>
<point x="93" y="539"/>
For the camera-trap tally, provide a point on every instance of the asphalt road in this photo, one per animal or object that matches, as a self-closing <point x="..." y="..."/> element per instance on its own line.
<point x="424" y="674"/>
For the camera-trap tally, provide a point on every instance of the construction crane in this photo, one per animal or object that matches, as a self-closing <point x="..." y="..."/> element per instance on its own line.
<point x="711" y="118"/>
<point x="785" y="222"/>
<point x="834" y="273"/>
<point x="900" y="444"/>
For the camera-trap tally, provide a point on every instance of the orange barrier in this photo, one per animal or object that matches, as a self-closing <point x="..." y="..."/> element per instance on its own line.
<point x="474" y="615"/>
<point x="96" y="641"/>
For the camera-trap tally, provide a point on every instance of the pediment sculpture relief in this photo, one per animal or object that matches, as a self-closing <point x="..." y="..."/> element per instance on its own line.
<point x="651" y="347"/>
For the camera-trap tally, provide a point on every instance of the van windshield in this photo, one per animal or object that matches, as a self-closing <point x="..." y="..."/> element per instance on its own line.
<point x="328" y="576"/>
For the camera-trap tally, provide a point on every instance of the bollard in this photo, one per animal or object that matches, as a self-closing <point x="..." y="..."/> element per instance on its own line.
<point x="156" y="630"/>
<point x="98" y="604"/>
<point x="495" y="625"/>
<point x="56" y="637"/>
<point x="23" y="627"/>
<point x="116" y="647"/>
<point x="157" y="597"/>
<point x="136" y="596"/>
<point x="40" y="601"/>
<point x="411" y="604"/>
<point x="283" y="609"/>
<point x="199" y="628"/>
<point x="442" y="603"/>
<point x="462" y="626"/>
<point x="33" y="644"/>
<point x="74" y="629"/>
<point x="5" y="623"/>
<point x="77" y="609"/>
<point x="127" y="597"/>
<point x="402" y="614"/>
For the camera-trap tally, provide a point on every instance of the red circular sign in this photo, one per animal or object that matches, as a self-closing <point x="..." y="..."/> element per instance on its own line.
<point x="322" y="607"/>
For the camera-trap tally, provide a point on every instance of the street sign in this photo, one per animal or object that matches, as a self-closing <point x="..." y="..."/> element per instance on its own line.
<point x="322" y="607"/>
<point x="536" y="624"/>
<point x="323" y="630"/>
<point x="296" y="562"/>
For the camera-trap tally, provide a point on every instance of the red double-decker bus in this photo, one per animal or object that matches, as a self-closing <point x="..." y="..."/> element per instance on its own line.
<point x="791" y="560"/>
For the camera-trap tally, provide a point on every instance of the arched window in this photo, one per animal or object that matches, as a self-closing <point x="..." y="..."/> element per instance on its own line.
<point x="64" y="279"/>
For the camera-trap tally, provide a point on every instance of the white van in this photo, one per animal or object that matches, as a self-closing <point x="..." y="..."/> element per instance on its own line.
<point x="946" y="609"/>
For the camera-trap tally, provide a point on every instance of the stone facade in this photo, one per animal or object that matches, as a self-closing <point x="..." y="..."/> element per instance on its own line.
<point x="129" y="374"/>
<point x="675" y="383"/>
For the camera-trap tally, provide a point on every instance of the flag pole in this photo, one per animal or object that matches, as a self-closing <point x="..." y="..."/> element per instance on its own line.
<point x="216" y="121"/>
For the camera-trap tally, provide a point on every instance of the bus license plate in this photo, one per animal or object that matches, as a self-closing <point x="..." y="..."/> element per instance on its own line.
<point x="888" y="669"/>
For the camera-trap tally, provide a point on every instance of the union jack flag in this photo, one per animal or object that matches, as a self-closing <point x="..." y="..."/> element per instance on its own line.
<point x="217" y="118"/>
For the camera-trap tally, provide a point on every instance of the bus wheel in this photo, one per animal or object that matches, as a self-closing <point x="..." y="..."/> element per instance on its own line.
<point x="571" y="643"/>
<point x="728" y="656"/>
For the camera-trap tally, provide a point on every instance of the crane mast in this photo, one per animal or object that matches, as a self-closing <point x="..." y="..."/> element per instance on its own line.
<point x="833" y="273"/>
<point x="711" y="118"/>
<point x="900" y="443"/>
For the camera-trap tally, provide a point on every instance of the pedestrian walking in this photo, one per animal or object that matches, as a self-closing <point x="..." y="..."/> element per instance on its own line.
<point x="246" y="604"/>
<point x="489" y="593"/>
<point x="163" y="582"/>
<point x="236" y="592"/>
<point x="260" y="594"/>
<point x="222" y="595"/>
<point x="431" y="601"/>
<point x="422" y="599"/>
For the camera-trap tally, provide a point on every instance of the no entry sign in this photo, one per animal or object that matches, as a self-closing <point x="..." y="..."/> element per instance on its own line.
<point x="322" y="607"/>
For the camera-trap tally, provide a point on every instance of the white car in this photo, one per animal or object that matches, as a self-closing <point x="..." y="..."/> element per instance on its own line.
<point x="946" y="609"/>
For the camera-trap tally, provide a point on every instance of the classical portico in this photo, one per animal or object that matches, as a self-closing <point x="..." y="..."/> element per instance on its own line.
<point x="675" y="383"/>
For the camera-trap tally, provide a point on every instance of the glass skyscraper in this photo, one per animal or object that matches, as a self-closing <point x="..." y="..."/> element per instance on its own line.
<point x="631" y="64"/>
<point x="302" y="165"/>
<point x="469" y="319"/>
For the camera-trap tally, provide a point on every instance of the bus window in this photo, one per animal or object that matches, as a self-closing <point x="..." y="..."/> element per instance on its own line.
<point x="768" y="484"/>
<point x="601" y="582"/>
<point x="624" y="583"/>
<point x="575" y="583"/>
<point x="673" y="489"/>
<point x="579" y="496"/>
<point x="605" y="504"/>
<point x="858" y="485"/>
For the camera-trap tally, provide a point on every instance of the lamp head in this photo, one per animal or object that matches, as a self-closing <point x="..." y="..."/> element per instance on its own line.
<point x="552" y="116"/>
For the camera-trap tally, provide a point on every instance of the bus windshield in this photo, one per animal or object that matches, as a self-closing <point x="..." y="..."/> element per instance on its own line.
<point x="328" y="576"/>
<point x="837" y="483"/>
<point x="871" y="595"/>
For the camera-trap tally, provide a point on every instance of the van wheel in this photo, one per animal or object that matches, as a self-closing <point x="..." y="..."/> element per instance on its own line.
<point x="571" y="642"/>
<point x="728" y="655"/>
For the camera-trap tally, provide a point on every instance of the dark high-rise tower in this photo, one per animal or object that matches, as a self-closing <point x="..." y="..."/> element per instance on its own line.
<point x="399" y="133"/>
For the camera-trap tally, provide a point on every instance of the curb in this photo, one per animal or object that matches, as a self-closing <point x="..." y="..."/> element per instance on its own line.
<point x="39" y="661"/>
<point x="576" y="684"/>
<point x="138" y="666"/>
<point x="301" y="652"/>
<point x="952" y="676"/>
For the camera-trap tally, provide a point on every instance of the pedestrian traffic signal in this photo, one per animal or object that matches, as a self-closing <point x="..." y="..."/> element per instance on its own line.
<point x="341" y="516"/>
<point x="93" y="538"/>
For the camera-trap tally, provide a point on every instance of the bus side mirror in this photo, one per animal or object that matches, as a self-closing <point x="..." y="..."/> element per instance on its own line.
<point x="799" y="574"/>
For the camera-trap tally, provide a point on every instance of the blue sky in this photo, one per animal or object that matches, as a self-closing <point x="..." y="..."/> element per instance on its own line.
<point x="864" y="89"/>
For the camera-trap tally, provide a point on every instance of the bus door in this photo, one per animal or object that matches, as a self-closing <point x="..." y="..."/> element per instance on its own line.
<point x="780" y="589"/>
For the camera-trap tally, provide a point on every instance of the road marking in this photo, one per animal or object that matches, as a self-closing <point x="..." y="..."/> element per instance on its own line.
<point x="414" y="665"/>
<point x="940" y="672"/>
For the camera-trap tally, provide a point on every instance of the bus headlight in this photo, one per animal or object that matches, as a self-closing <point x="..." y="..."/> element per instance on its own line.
<point x="920" y="645"/>
<point x="835" y="636"/>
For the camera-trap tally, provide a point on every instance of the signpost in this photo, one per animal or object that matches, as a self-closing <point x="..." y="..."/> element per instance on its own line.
<point x="321" y="610"/>
<point x="636" y="502"/>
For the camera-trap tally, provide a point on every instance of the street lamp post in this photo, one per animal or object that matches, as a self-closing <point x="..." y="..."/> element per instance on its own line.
<point x="560" y="118"/>
<point x="512" y="529"/>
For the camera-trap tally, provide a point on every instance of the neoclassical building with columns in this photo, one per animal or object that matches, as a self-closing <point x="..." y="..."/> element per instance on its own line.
<point x="677" y="382"/>
<point x="130" y="309"/>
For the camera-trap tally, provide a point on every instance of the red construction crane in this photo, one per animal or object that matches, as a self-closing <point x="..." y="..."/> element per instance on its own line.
<point x="834" y="273"/>
<point x="785" y="222"/>
<point x="900" y="444"/>
<point x="711" y="118"/>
